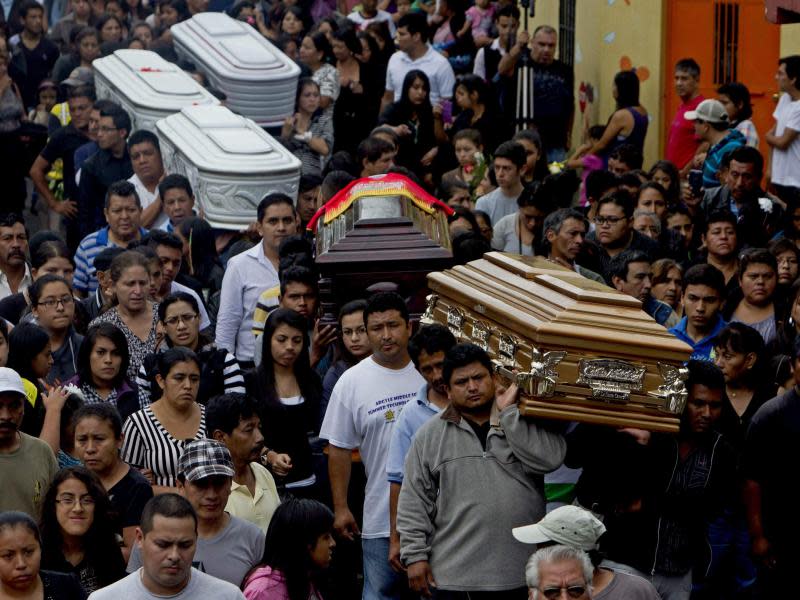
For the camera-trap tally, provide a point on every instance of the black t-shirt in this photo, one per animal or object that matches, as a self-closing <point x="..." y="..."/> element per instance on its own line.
<point x="38" y="64"/>
<point x="482" y="431"/>
<point x="63" y="144"/>
<point x="61" y="586"/>
<point x="771" y="457"/>
<point x="128" y="497"/>
<point x="553" y="102"/>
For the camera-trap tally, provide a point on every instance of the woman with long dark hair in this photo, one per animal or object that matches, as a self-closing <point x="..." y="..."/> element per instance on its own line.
<point x="77" y="530"/>
<point x="298" y="548"/>
<point x="21" y="547"/>
<point x="351" y="347"/>
<point x="155" y="436"/>
<point x="667" y="176"/>
<point x="102" y="370"/>
<point x="29" y="355"/>
<point x="412" y="119"/>
<point x="131" y="310"/>
<point x="628" y="124"/>
<point x="48" y="256"/>
<point x="316" y="53"/>
<point x="86" y="48"/>
<point x="288" y="392"/>
<point x="309" y="132"/>
<point x="474" y="101"/>
<point x="356" y="110"/>
<point x="53" y="306"/>
<point x="220" y="373"/>
<point x="201" y="259"/>
<point x="735" y="97"/>
<point x="739" y="353"/>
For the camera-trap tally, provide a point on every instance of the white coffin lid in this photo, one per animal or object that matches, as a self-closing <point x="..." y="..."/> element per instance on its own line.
<point x="232" y="49"/>
<point x="216" y="140"/>
<point x="147" y="80"/>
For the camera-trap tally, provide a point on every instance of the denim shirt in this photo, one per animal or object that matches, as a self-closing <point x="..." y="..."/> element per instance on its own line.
<point x="414" y="415"/>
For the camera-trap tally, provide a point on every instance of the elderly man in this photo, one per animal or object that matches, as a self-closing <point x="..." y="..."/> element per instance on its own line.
<point x="579" y="529"/>
<point x="481" y="465"/>
<point x="558" y="571"/>
<point x="167" y="537"/>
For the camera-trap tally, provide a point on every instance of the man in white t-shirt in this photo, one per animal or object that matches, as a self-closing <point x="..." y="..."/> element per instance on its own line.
<point x="783" y="138"/>
<point x="415" y="53"/>
<point x="363" y="409"/>
<point x="148" y="170"/>
<point x="167" y="537"/>
<point x="369" y="13"/>
<point x="509" y="165"/>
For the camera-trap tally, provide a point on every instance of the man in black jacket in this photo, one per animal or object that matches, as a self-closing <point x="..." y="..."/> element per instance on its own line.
<point x="659" y="492"/>
<point x="758" y="216"/>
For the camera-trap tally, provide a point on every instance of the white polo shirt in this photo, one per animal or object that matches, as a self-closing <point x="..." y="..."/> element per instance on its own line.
<point x="433" y="64"/>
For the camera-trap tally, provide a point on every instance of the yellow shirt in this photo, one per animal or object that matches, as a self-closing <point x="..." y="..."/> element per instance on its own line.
<point x="258" y="510"/>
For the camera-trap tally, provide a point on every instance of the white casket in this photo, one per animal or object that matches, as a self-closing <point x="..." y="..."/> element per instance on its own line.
<point x="148" y="87"/>
<point x="259" y="80"/>
<point x="231" y="162"/>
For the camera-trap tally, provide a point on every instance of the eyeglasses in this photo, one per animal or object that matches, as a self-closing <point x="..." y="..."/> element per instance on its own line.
<point x="53" y="302"/>
<point x="573" y="591"/>
<point x="70" y="501"/>
<point x="104" y="129"/>
<point x="172" y="321"/>
<point x="610" y="220"/>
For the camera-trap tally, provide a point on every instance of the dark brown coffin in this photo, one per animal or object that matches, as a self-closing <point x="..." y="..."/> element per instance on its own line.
<point x="579" y="350"/>
<point x="380" y="240"/>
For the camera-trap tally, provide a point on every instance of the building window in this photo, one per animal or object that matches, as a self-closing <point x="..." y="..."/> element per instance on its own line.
<point x="566" y="32"/>
<point x="726" y="42"/>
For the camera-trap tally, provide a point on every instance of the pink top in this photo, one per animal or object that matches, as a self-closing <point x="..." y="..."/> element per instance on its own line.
<point x="481" y="19"/>
<point x="682" y="142"/>
<point x="267" y="584"/>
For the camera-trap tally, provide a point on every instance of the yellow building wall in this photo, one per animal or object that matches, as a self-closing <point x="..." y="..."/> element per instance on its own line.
<point x="609" y="33"/>
<point x="790" y="39"/>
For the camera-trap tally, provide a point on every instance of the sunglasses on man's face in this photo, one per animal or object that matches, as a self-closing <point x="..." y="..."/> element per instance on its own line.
<point x="573" y="591"/>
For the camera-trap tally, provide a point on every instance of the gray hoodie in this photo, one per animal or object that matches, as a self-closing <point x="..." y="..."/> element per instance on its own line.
<point x="459" y="502"/>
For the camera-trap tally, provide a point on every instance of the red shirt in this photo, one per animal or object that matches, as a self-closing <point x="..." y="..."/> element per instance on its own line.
<point x="682" y="142"/>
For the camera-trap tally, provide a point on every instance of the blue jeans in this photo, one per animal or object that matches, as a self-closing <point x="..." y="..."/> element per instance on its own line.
<point x="380" y="581"/>
<point x="730" y="555"/>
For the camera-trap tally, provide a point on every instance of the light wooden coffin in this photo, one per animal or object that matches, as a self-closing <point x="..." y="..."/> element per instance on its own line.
<point x="579" y="350"/>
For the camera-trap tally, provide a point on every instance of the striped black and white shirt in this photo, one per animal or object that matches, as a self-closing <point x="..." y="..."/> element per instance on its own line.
<point x="149" y="445"/>
<point x="220" y="373"/>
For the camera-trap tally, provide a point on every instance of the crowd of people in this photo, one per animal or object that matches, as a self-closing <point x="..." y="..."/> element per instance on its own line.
<point x="176" y="421"/>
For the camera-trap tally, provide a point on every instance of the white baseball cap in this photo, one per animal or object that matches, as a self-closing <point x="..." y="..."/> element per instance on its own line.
<point x="710" y="111"/>
<point x="569" y="525"/>
<point x="10" y="381"/>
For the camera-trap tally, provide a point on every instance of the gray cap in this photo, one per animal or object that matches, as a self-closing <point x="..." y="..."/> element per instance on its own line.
<point x="79" y="76"/>
<point x="569" y="525"/>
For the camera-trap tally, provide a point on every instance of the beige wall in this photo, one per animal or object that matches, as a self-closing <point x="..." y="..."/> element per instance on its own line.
<point x="790" y="39"/>
<point x="604" y="34"/>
